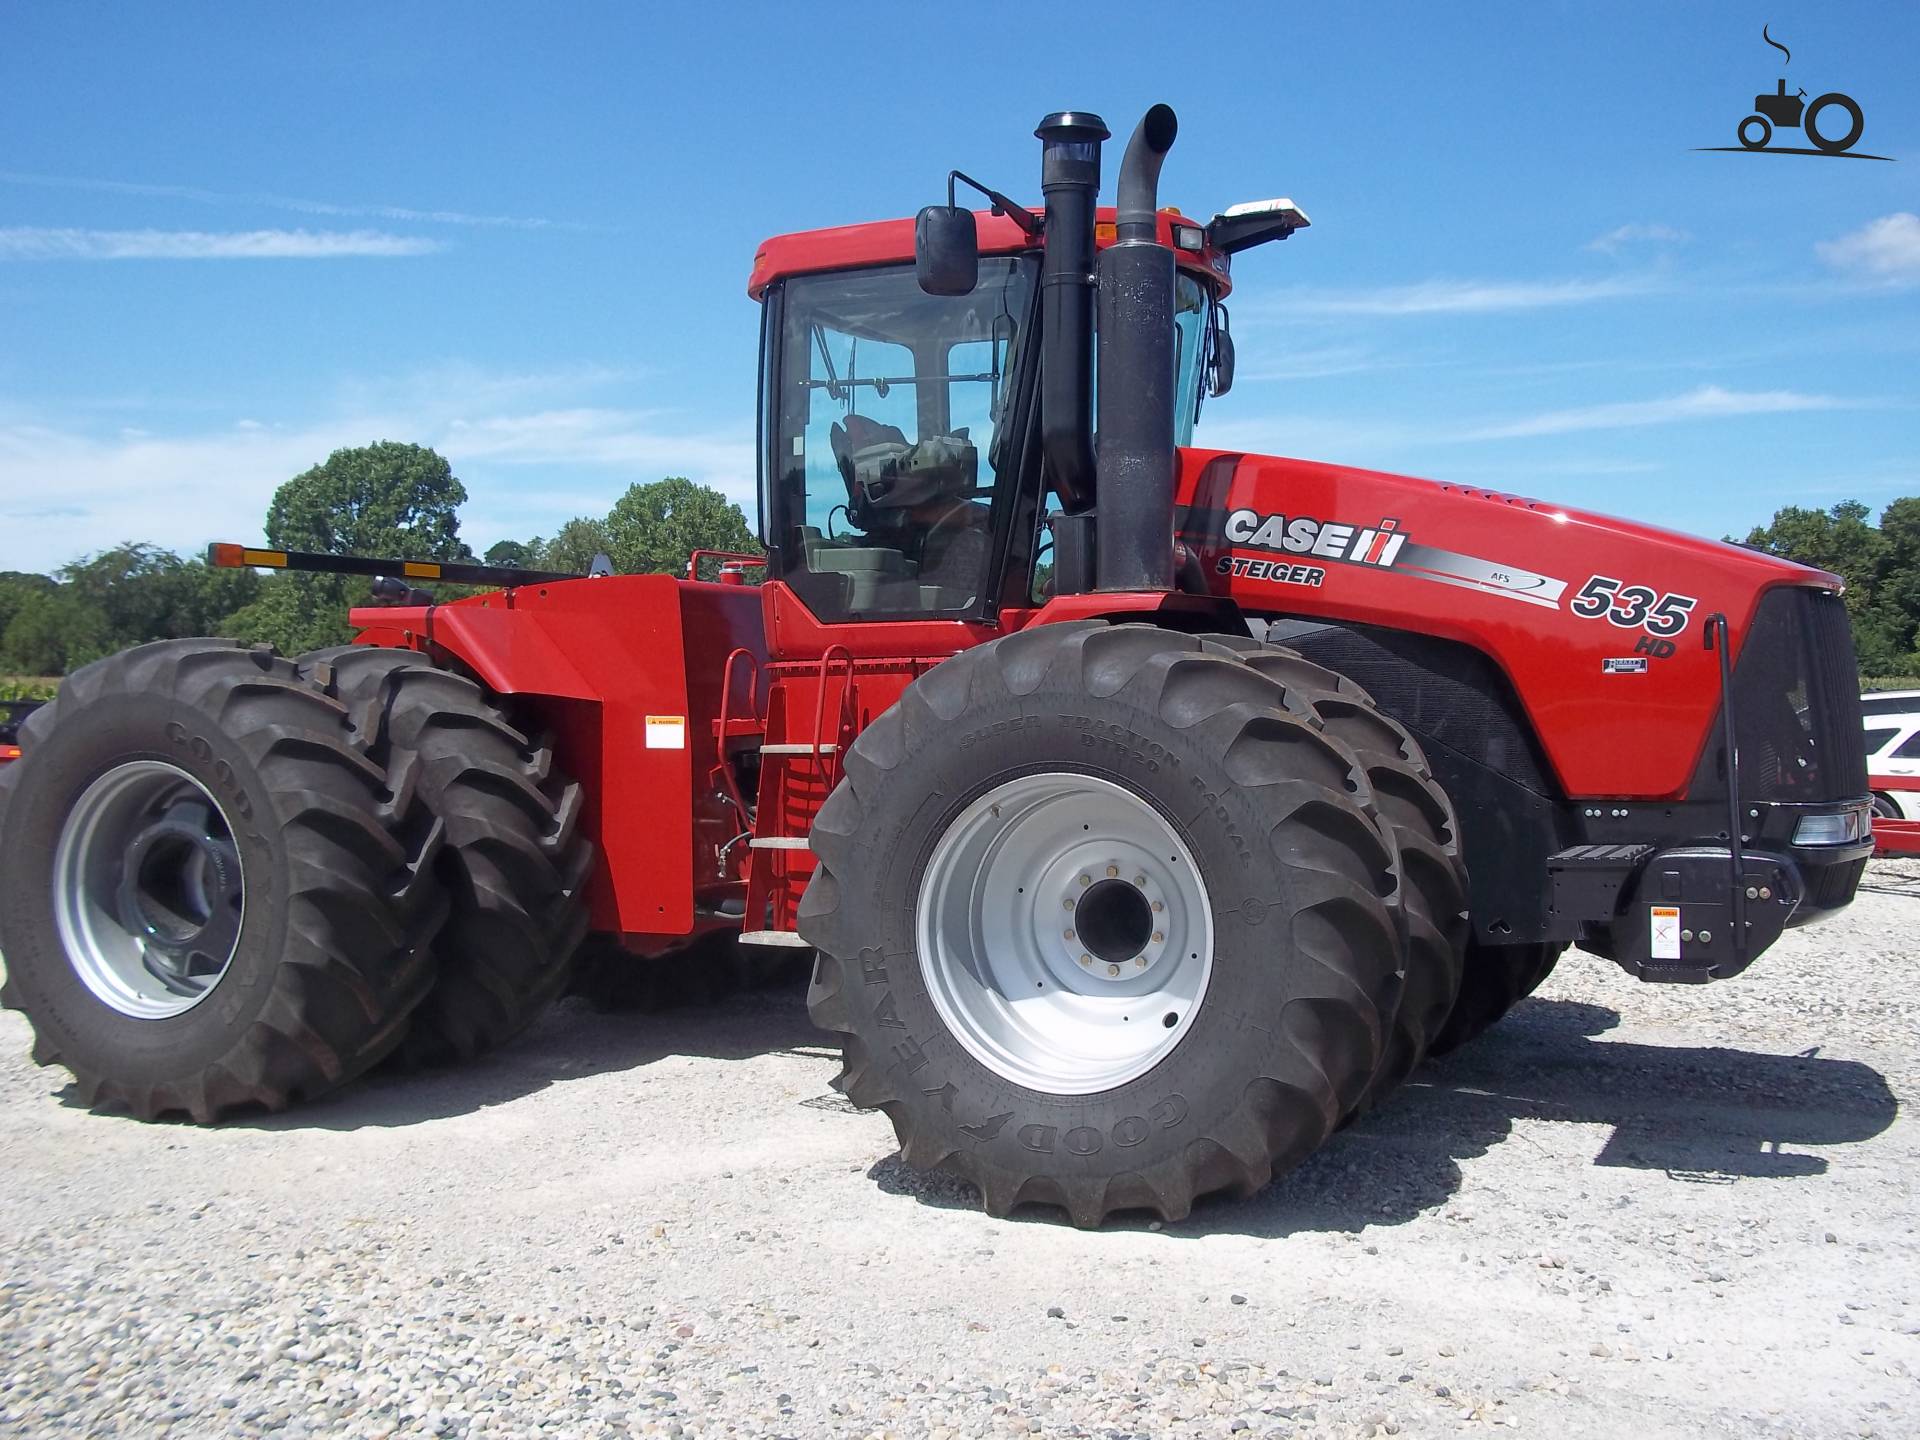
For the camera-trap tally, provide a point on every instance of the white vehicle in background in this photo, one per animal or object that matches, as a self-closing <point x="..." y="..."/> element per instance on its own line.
<point x="1892" y="718"/>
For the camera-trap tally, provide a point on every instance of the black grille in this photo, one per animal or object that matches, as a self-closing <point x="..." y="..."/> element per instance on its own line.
<point x="1796" y="705"/>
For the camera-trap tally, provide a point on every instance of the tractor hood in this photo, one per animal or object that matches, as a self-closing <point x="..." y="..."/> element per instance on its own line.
<point x="1598" y="622"/>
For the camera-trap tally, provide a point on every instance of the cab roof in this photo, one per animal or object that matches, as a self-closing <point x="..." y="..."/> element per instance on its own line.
<point x="890" y="242"/>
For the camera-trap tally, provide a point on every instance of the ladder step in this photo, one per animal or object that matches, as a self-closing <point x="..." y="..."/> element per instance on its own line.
<point x="785" y="938"/>
<point x="779" y="842"/>
<point x="785" y="749"/>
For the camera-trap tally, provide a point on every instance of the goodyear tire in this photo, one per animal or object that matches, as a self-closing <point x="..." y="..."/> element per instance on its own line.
<point x="1181" y="877"/>
<point x="1497" y="978"/>
<point x="515" y="862"/>
<point x="214" y="898"/>
<point x="1431" y="901"/>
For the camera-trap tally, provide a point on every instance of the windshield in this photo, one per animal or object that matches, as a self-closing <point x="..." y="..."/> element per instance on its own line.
<point x="890" y="401"/>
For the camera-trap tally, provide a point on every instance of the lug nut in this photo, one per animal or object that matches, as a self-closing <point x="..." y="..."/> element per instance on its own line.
<point x="1139" y="882"/>
<point x="1112" y="871"/>
<point x="1113" y="969"/>
<point x="1158" y="907"/>
<point x="1158" y="936"/>
<point x="1086" y="880"/>
<point x="1139" y="962"/>
<point x="1086" y="959"/>
<point x="1069" y="934"/>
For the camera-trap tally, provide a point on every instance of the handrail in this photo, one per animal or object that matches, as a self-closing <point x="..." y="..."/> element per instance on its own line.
<point x="820" y="701"/>
<point x="726" y="714"/>
<point x="739" y="556"/>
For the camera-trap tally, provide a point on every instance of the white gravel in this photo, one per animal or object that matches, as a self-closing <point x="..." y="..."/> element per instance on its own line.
<point x="1629" y="1211"/>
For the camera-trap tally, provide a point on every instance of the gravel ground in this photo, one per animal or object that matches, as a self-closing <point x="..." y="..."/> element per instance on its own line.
<point x="1629" y="1210"/>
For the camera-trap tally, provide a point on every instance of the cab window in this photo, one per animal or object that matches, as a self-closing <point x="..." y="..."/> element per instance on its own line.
<point x="889" y="402"/>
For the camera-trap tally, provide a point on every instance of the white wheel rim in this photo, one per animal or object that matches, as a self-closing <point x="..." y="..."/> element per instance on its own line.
<point x="1064" y="933"/>
<point x="148" y="892"/>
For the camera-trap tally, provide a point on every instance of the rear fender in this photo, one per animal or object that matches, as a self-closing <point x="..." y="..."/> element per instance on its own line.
<point x="603" y="664"/>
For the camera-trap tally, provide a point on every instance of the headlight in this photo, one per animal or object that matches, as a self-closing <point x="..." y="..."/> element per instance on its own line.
<point x="1844" y="827"/>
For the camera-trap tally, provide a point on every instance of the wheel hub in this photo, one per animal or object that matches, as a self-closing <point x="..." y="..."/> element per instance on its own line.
<point x="1064" y="933"/>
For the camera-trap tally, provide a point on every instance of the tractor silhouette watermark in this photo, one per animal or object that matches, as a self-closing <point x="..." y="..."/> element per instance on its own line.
<point x="1793" y="112"/>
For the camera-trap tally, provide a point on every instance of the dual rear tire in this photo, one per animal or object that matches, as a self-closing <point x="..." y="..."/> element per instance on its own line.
<point x="234" y="881"/>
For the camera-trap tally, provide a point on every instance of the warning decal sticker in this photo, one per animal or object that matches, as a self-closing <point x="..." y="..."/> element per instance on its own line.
<point x="666" y="732"/>
<point x="1665" y="920"/>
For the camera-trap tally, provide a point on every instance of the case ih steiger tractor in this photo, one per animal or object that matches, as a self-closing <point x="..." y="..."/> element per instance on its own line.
<point x="1151" y="810"/>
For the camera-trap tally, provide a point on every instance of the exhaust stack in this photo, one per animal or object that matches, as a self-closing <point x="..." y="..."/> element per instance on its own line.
<point x="1135" y="462"/>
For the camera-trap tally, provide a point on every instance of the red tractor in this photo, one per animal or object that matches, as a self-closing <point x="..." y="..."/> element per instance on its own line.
<point x="1150" y="810"/>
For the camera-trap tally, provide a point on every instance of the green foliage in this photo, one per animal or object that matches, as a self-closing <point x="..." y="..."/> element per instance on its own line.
<point x="54" y="631"/>
<point x="385" y="499"/>
<point x="28" y="687"/>
<point x="382" y="499"/>
<point x="1881" y="566"/>
<point x="654" y="528"/>
<point x="295" y="613"/>
<point x="574" y="547"/>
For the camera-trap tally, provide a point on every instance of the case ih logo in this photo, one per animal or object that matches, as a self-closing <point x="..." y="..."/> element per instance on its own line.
<point x="1832" y="123"/>
<point x="1322" y="539"/>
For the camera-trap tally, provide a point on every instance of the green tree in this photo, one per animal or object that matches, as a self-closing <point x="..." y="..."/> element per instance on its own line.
<point x="53" y="632"/>
<point x="16" y="588"/>
<point x="382" y="499"/>
<point x="654" y="528"/>
<point x="574" y="545"/>
<point x="512" y="552"/>
<point x="147" y="593"/>
<point x="1881" y="566"/>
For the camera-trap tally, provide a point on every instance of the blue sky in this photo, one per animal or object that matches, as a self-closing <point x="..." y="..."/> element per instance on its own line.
<point x="235" y="237"/>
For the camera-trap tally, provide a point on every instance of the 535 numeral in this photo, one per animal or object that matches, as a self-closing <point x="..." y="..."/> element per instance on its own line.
<point x="1631" y="606"/>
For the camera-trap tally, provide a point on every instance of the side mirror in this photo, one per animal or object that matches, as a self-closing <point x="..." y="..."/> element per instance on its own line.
<point x="1221" y="381"/>
<point x="946" y="250"/>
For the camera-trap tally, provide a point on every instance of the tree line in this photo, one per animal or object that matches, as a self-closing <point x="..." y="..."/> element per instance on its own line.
<point x="1880" y="563"/>
<point x="404" y="500"/>
<point x="388" y="499"/>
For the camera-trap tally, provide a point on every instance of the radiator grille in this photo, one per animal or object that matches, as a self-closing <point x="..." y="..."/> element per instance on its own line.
<point x="1796" y="699"/>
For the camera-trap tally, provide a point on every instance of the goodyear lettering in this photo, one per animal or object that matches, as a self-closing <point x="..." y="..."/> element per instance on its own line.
<point x="873" y="967"/>
<point x="1169" y="1112"/>
<point x="1037" y="1138"/>
<point x="886" y="1012"/>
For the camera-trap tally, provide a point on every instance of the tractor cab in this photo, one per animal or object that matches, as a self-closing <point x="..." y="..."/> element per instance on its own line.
<point x="901" y="465"/>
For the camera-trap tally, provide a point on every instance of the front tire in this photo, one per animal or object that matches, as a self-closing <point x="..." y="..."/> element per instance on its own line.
<point x="214" y="899"/>
<point x="1287" y="939"/>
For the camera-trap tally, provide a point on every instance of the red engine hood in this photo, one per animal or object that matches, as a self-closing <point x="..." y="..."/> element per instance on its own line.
<point x="1598" y="622"/>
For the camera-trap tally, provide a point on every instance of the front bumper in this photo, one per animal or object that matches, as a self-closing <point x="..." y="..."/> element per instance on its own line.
<point x="1685" y="911"/>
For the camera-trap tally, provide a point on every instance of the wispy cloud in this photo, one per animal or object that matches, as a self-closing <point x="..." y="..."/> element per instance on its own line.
<point x="41" y="243"/>
<point x="1883" y="249"/>
<point x="1621" y="236"/>
<point x="281" y="202"/>
<point x="1707" y="402"/>
<point x="65" y="488"/>
<point x="1457" y="297"/>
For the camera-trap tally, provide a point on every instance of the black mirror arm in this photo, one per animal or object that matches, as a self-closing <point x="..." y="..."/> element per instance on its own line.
<point x="1020" y="215"/>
